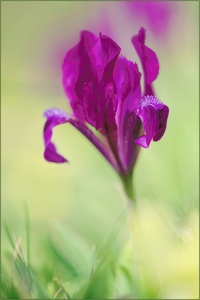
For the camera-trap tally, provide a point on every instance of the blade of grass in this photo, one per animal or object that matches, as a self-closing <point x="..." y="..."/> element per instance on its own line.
<point x="7" y="287"/>
<point x="63" y="259"/>
<point x="18" y="249"/>
<point x="27" y="227"/>
<point x="9" y="236"/>
<point x="60" y="289"/>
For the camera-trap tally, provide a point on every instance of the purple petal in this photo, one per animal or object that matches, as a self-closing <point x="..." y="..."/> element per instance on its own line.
<point x="128" y="149"/>
<point x="147" y="56"/>
<point x="127" y="79"/>
<point x="158" y="14"/>
<point x="153" y="115"/>
<point x="51" y="155"/>
<point x="84" y="67"/>
<point x="57" y="116"/>
<point x="54" y="117"/>
<point x="103" y="57"/>
<point x="77" y="71"/>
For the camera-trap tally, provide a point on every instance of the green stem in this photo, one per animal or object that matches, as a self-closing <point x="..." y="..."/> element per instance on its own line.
<point x="128" y="186"/>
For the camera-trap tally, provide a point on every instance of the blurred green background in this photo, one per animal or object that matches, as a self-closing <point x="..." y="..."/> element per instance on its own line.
<point x="85" y="195"/>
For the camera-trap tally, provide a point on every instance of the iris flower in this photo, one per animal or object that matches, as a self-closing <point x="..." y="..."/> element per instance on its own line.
<point x="104" y="92"/>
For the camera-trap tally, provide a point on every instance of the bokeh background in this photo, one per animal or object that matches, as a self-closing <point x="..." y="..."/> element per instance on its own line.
<point x="85" y="196"/>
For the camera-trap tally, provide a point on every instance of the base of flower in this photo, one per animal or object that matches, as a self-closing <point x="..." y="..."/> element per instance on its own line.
<point x="128" y="186"/>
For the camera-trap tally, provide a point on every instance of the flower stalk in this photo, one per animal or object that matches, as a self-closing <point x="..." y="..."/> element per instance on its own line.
<point x="128" y="187"/>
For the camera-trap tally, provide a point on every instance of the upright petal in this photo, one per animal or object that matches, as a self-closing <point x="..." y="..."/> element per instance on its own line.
<point x="77" y="72"/>
<point x="103" y="57"/>
<point x="153" y="115"/>
<point x="148" y="59"/>
<point x="127" y="79"/>
<point x="84" y="67"/>
<point x="57" y="116"/>
<point x="131" y="130"/>
<point x="76" y="68"/>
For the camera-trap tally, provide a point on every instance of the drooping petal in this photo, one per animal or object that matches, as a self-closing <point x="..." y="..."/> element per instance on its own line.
<point x="56" y="117"/>
<point x="153" y="115"/>
<point x="51" y="154"/>
<point x="148" y="59"/>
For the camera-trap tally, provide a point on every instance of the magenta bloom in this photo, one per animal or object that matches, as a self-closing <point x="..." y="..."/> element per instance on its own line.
<point x="104" y="91"/>
<point x="157" y="14"/>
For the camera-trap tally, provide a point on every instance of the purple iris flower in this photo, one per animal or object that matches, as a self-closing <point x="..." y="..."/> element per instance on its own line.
<point x="104" y="91"/>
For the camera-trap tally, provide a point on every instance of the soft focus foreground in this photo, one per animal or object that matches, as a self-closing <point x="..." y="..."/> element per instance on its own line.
<point x="77" y="245"/>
